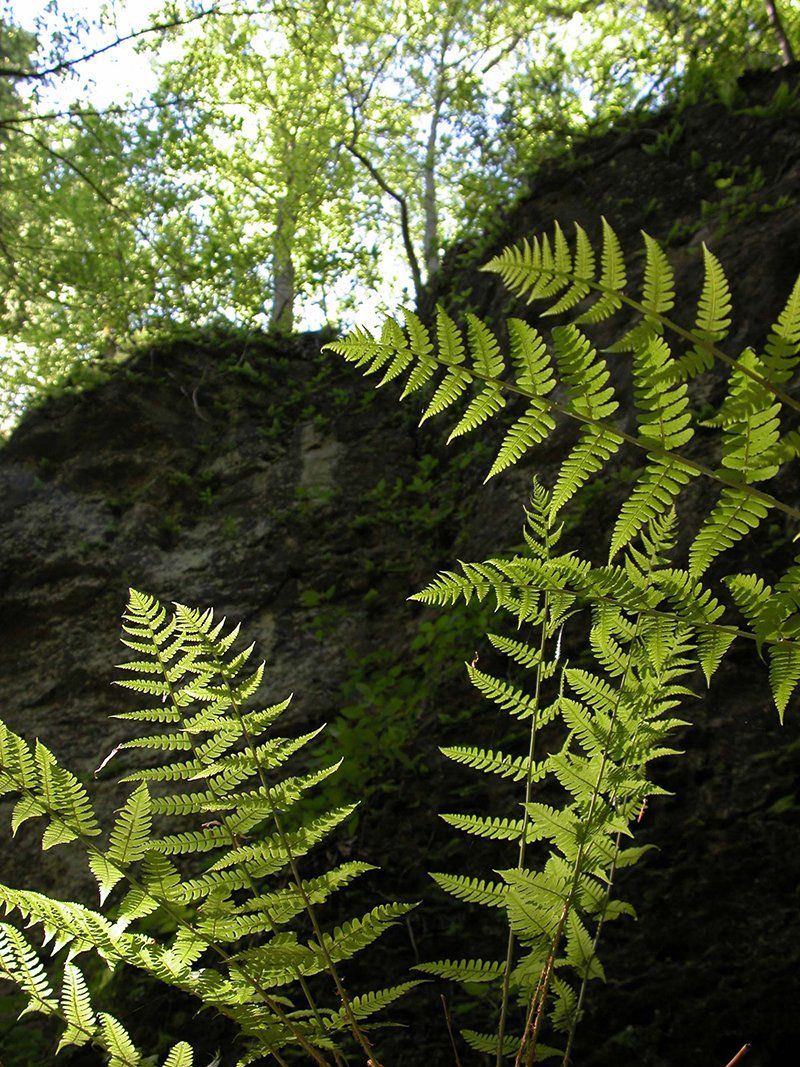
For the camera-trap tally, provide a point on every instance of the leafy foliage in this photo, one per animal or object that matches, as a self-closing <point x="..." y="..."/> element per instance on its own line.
<point x="614" y="721"/>
<point x="754" y="428"/>
<point x="352" y="144"/>
<point x="236" y="944"/>
<point x="594" y="732"/>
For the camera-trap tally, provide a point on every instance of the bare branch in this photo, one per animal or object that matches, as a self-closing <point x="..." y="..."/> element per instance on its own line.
<point x="400" y="200"/>
<point x="31" y="74"/>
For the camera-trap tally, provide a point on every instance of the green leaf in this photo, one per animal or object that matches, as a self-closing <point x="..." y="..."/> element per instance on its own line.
<point x="181" y="1055"/>
<point x="117" y="1042"/>
<point x="130" y="837"/>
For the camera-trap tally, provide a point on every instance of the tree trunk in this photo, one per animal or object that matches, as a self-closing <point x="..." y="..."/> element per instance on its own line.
<point x="780" y="32"/>
<point x="430" y="205"/>
<point x="283" y="271"/>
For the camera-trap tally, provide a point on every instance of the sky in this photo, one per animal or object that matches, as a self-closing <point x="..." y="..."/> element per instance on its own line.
<point x="108" y="77"/>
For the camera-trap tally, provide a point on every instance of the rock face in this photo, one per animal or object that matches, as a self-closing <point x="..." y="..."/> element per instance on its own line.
<point x="264" y="478"/>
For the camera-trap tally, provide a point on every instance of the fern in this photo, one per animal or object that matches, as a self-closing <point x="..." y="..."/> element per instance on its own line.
<point x="617" y="721"/>
<point x="567" y="379"/>
<point x="232" y="945"/>
<point x="212" y="831"/>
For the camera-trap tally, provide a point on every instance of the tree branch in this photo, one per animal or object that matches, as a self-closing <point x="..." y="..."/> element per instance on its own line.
<point x="31" y="74"/>
<point x="400" y="200"/>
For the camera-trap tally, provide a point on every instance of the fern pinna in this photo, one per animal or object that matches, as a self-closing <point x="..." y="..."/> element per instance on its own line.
<point x="754" y="432"/>
<point x="230" y="883"/>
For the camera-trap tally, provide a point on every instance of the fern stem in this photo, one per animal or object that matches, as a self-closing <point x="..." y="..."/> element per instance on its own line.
<point x="356" y="1030"/>
<point x="501" y="1030"/>
<point x="595" y="941"/>
<point x="656" y="613"/>
<point x="638" y="442"/>
<point x="643" y="444"/>
<point x="223" y="818"/>
<point x="713" y="350"/>
<point x="556" y="942"/>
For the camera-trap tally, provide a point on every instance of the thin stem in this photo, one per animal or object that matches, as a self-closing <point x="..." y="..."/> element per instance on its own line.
<point x="651" y="447"/>
<point x="687" y="335"/>
<point x="501" y="1030"/>
<point x="223" y="818"/>
<point x="595" y="942"/>
<point x="449" y="1023"/>
<point x="740" y="1055"/>
<point x="596" y="939"/>
<point x="531" y="1034"/>
<point x="641" y="443"/>
<point x="357" y="1032"/>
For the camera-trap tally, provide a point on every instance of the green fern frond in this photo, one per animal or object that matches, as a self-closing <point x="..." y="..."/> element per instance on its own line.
<point x="472" y="890"/>
<point x="594" y="449"/>
<point x="20" y="964"/>
<point x="481" y="408"/>
<point x="118" y="1043"/>
<point x="479" y="971"/>
<point x="354" y="936"/>
<point x="508" y="697"/>
<point x="653" y="495"/>
<point x="130" y="837"/>
<point x="180" y="1055"/>
<point x="487" y="1043"/>
<point x="76" y="1007"/>
<point x="659" y="279"/>
<point x="367" y="1004"/>
<point x="783" y="343"/>
<point x="714" y="306"/>
<point x="493" y="828"/>
<point x="517" y="768"/>
<point x="784" y="674"/>
<point x="733" y="516"/>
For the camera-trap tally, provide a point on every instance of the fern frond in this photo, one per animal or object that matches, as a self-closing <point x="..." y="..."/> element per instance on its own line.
<point x="733" y="516"/>
<point x="20" y="964"/>
<point x="479" y="971"/>
<point x="481" y="408"/>
<point x="517" y="768"/>
<point x="472" y="890"/>
<point x="367" y="1004"/>
<point x="65" y="800"/>
<point x="653" y="495"/>
<point x="493" y="828"/>
<point x="508" y="697"/>
<point x="594" y="449"/>
<point x="783" y="343"/>
<point x="784" y="674"/>
<point x="180" y="1055"/>
<point x="355" y="935"/>
<point x="487" y="1043"/>
<point x="130" y="837"/>
<point x="76" y="1007"/>
<point x="118" y="1043"/>
<point x="714" y="306"/>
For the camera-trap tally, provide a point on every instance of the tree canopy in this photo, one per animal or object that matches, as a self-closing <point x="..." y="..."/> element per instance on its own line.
<point x="286" y="161"/>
